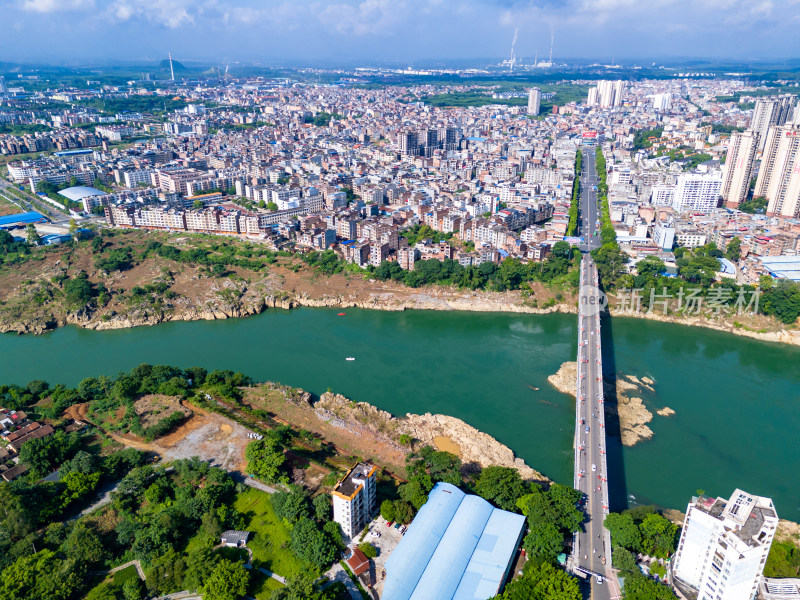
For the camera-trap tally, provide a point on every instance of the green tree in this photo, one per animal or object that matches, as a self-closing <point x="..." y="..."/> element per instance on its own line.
<point x="322" y="507"/>
<point x="783" y="560"/>
<point x="84" y="545"/>
<point x="312" y="545"/>
<point x="34" y="239"/>
<point x="502" y="486"/>
<point x="45" y="454"/>
<point x="624" y="560"/>
<point x="542" y="581"/>
<point x="624" y="532"/>
<point x="651" y="266"/>
<point x="368" y="549"/>
<point x="37" y="576"/>
<point x="272" y="206"/>
<point x="416" y="490"/>
<point x="228" y="581"/>
<point x="265" y="458"/>
<point x="403" y="512"/>
<point x="782" y="301"/>
<point x="388" y="511"/>
<point x="291" y="506"/>
<point x="78" y="289"/>
<point x="733" y="251"/>
<point x="610" y="261"/>
<point x="544" y="541"/>
<point x="132" y="589"/>
<point x="659" y="535"/>
<point x="562" y="249"/>
<point x="77" y="485"/>
<point x="639" y="587"/>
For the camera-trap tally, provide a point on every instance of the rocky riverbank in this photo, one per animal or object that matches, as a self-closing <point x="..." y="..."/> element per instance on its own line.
<point x="249" y="304"/>
<point x="621" y="405"/>
<point x="442" y="431"/>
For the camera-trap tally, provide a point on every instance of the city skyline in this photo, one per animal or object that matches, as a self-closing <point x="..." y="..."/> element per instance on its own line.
<point x="379" y="30"/>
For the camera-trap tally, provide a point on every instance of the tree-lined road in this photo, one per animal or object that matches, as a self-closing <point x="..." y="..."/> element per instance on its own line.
<point x="591" y="554"/>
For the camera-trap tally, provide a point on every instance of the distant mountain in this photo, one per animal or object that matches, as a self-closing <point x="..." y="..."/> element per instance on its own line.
<point x="176" y="66"/>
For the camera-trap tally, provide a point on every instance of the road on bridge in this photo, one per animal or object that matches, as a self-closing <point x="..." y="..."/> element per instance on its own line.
<point x="592" y="546"/>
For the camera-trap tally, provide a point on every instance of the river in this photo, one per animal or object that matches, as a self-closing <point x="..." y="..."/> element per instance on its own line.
<point x="736" y="399"/>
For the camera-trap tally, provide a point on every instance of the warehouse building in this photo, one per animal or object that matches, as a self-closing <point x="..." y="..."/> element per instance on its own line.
<point x="458" y="547"/>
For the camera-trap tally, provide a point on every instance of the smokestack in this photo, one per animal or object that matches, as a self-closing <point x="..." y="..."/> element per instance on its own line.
<point x="513" y="58"/>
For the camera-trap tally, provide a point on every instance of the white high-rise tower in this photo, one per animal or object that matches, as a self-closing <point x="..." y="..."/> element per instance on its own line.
<point x="534" y="101"/>
<point x="724" y="545"/>
<point x="171" y="70"/>
<point x="738" y="169"/>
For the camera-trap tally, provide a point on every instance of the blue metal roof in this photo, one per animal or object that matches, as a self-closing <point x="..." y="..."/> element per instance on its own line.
<point x="22" y="219"/>
<point x="458" y="547"/>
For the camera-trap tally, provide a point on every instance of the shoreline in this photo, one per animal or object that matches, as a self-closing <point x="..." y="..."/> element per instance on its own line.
<point x="443" y="299"/>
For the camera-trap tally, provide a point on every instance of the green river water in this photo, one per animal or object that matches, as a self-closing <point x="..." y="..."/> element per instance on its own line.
<point x="736" y="399"/>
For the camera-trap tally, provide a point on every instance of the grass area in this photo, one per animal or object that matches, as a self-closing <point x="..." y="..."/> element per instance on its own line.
<point x="8" y="208"/>
<point x="120" y="577"/>
<point x="270" y="537"/>
<point x="563" y="95"/>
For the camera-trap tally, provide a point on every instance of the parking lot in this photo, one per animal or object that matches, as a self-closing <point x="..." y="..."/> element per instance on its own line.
<point x="385" y="544"/>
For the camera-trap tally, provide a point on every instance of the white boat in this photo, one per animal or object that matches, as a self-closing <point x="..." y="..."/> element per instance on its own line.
<point x="349" y="358"/>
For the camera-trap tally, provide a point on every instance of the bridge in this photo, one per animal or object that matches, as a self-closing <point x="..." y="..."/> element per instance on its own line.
<point x="591" y="550"/>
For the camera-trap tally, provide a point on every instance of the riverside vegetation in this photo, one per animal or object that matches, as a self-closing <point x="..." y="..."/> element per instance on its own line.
<point x="124" y="278"/>
<point x="169" y="517"/>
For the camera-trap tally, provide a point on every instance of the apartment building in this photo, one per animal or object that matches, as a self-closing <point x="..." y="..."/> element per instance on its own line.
<point x="738" y="168"/>
<point x="355" y="498"/>
<point x="779" y="176"/>
<point x="697" y="192"/>
<point x="724" y="546"/>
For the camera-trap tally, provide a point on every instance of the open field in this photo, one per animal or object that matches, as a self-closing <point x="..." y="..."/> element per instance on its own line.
<point x="212" y="437"/>
<point x="8" y="208"/>
<point x="270" y="535"/>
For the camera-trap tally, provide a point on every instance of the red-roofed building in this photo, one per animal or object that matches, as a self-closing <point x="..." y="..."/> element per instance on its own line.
<point x="358" y="562"/>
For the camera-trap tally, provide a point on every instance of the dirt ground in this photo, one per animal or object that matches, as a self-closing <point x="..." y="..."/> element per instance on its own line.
<point x="209" y="436"/>
<point x="8" y="208"/>
<point x="154" y="407"/>
<point x="302" y="416"/>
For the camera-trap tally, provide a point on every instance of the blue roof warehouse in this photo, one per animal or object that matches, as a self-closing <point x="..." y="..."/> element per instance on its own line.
<point x="458" y="547"/>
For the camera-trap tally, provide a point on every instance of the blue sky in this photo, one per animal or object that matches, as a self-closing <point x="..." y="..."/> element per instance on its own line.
<point x="396" y="30"/>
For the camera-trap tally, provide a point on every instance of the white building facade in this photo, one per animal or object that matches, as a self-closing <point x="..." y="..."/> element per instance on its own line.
<point x="355" y="499"/>
<point x="724" y="545"/>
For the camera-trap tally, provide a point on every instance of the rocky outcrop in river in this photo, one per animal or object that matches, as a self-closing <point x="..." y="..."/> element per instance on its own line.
<point x="630" y="411"/>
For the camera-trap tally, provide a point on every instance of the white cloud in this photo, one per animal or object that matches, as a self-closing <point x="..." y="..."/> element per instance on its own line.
<point x="48" y="6"/>
<point x="170" y="13"/>
<point x="368" y="17"/>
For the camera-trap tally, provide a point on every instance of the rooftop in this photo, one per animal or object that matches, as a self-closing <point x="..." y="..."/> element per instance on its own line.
<point x="356" y="476"/>
<point x="458" y="547"/>
<point x="79" y="192"/>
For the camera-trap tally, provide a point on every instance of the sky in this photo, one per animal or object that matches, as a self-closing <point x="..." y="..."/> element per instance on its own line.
<point x="347" y="31"/>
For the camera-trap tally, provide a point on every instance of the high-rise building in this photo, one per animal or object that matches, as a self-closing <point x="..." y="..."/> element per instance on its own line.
<point x="409" y="143"/>
<point x="738" y="167"/>
<point x="697" y="192"/>
<point x="607" y="94"/>
<point x="619" y="92"/>
<point x="779" y="175"/>
<point x="355" y="499"/>
<point x="431" y="141"/>
<point x="534" y="101"/>
<point x="724" y="545"/>
<point x="662" y="102"/>
<point x="448" y="138"/>
<point x="769" y="112"/>
<point x="591" y="100"/>
<point x="3" y="86"/>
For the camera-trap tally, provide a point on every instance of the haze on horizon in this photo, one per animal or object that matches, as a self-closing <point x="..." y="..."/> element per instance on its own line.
<point x="100" y="31"/>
